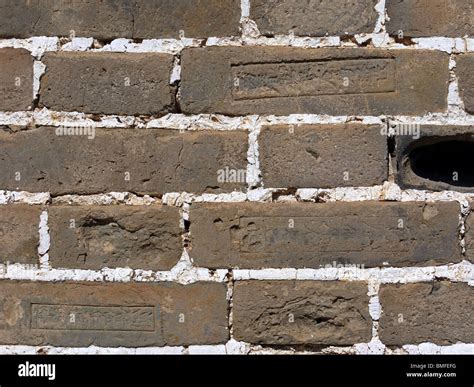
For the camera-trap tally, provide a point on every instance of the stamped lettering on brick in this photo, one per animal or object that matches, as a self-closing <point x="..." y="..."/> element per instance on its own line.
<point x="313" y="78"/>
<point x="93" y="318"/>
<point x="266" y="236"/>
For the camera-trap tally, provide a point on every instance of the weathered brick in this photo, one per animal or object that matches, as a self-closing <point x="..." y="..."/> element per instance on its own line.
<point x="16" y="79"/>
<point x="282" y="80"/>
<point x="438" y="157"/>
<point x="301" y="312"/>
<point x="439" y="313"/>
<point x="314" y="17"/>
<point x="424" y="18"/>
<point x="109" y="19"/>
<point x="464" y="71"/>
<point x="97" y="237"/>
<point x="470" y="236"/>
<point x="323" y="156"/>
<point x="112" y="315"/>
<point x="108" y="83"/>
<point x="19" y="235"/>
<point x="152" y="161"/>
<point x="308" y="235"/>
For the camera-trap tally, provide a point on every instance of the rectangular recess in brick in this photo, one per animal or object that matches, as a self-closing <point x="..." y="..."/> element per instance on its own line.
<point x="72" y="314"/>
<point x="314" y="235"/>
<point x="323" y="156"/>
<point x="437" y="312"/>
<point x="301" y="312"/>
<point x="19" y="235"/>
<point x="426" y="18"/>
<point x="142" y="161"/>
<point x="435" y="157"/>
<point x="335" y="81"/>
<point x="110" y="19"/>
<point x="108" y="83"/>
<point x="96" y="237"/>
<point x="16" y="79"/>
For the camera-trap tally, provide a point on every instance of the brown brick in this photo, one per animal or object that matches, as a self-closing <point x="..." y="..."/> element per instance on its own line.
<point x="424" y="18"/>
<point x="112" y="315"/>
<point x="323" y="156"/>
<point x="19" y="235"/>
<point x="470" y="236"/>
<point x="96" y="237"/>
<point x="154" y="161"/>
<point x="464" y="70"/>
<point x="438" y="157"/>
<point x="108" y="83"/>
<point x="309" y="235"/>
<point x="301" y="312"/>
<point x="16" y="79"/>
<point x="439" y="313"/>
<point x="314" y="17"/>
<point x="109" y="19"/>
<point x="335" y="81"/>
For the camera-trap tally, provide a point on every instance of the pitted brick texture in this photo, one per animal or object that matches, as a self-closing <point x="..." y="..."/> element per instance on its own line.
<point x="151" y="162"/>
<point x="97" y="237"/>
<point x="301" y="312"/>
<point x="439" y="313"/>
<point x="370" y="234"/>
<point x="16" y="79"/>
<point x="108" y="83"/>
<point x="310" y="156"/>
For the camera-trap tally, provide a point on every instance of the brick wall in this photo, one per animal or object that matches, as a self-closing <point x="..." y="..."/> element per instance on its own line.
<point x="235" y="176"/>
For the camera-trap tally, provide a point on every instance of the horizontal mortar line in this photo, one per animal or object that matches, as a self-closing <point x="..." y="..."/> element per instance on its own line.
<point x="234" y="41"/>
<point x="248" y="348"/>
<point x="382" y="275"/>
<point x="189" y="122"/>
<point x="43" y="198"/>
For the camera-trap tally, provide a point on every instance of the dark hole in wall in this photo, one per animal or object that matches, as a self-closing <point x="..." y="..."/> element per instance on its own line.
<point x="445" y="162"/>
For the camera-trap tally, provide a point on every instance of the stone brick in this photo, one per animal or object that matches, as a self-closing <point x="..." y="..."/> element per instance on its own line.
<point x="19" y="235"/>
<point x="16" y="79"/>
<point x="323" y="156"/>
<point x="152" y="161"/>
<point x="314" y="17"/>
<point x="113" y="314"/>
<point x="425" y="18"/>
<point x="109" y="19"/>
<point x="464" y="70"/>
<point x="97" y="237"/>
<point x="438" y="158"/>
<point x="439" y="313"/>
<point x="334" y="81"/>
<point x="301" y="312"/>
<point x="108" y="83"/>
<point x="470" y="236"/>
<point x="309" y="235"/>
